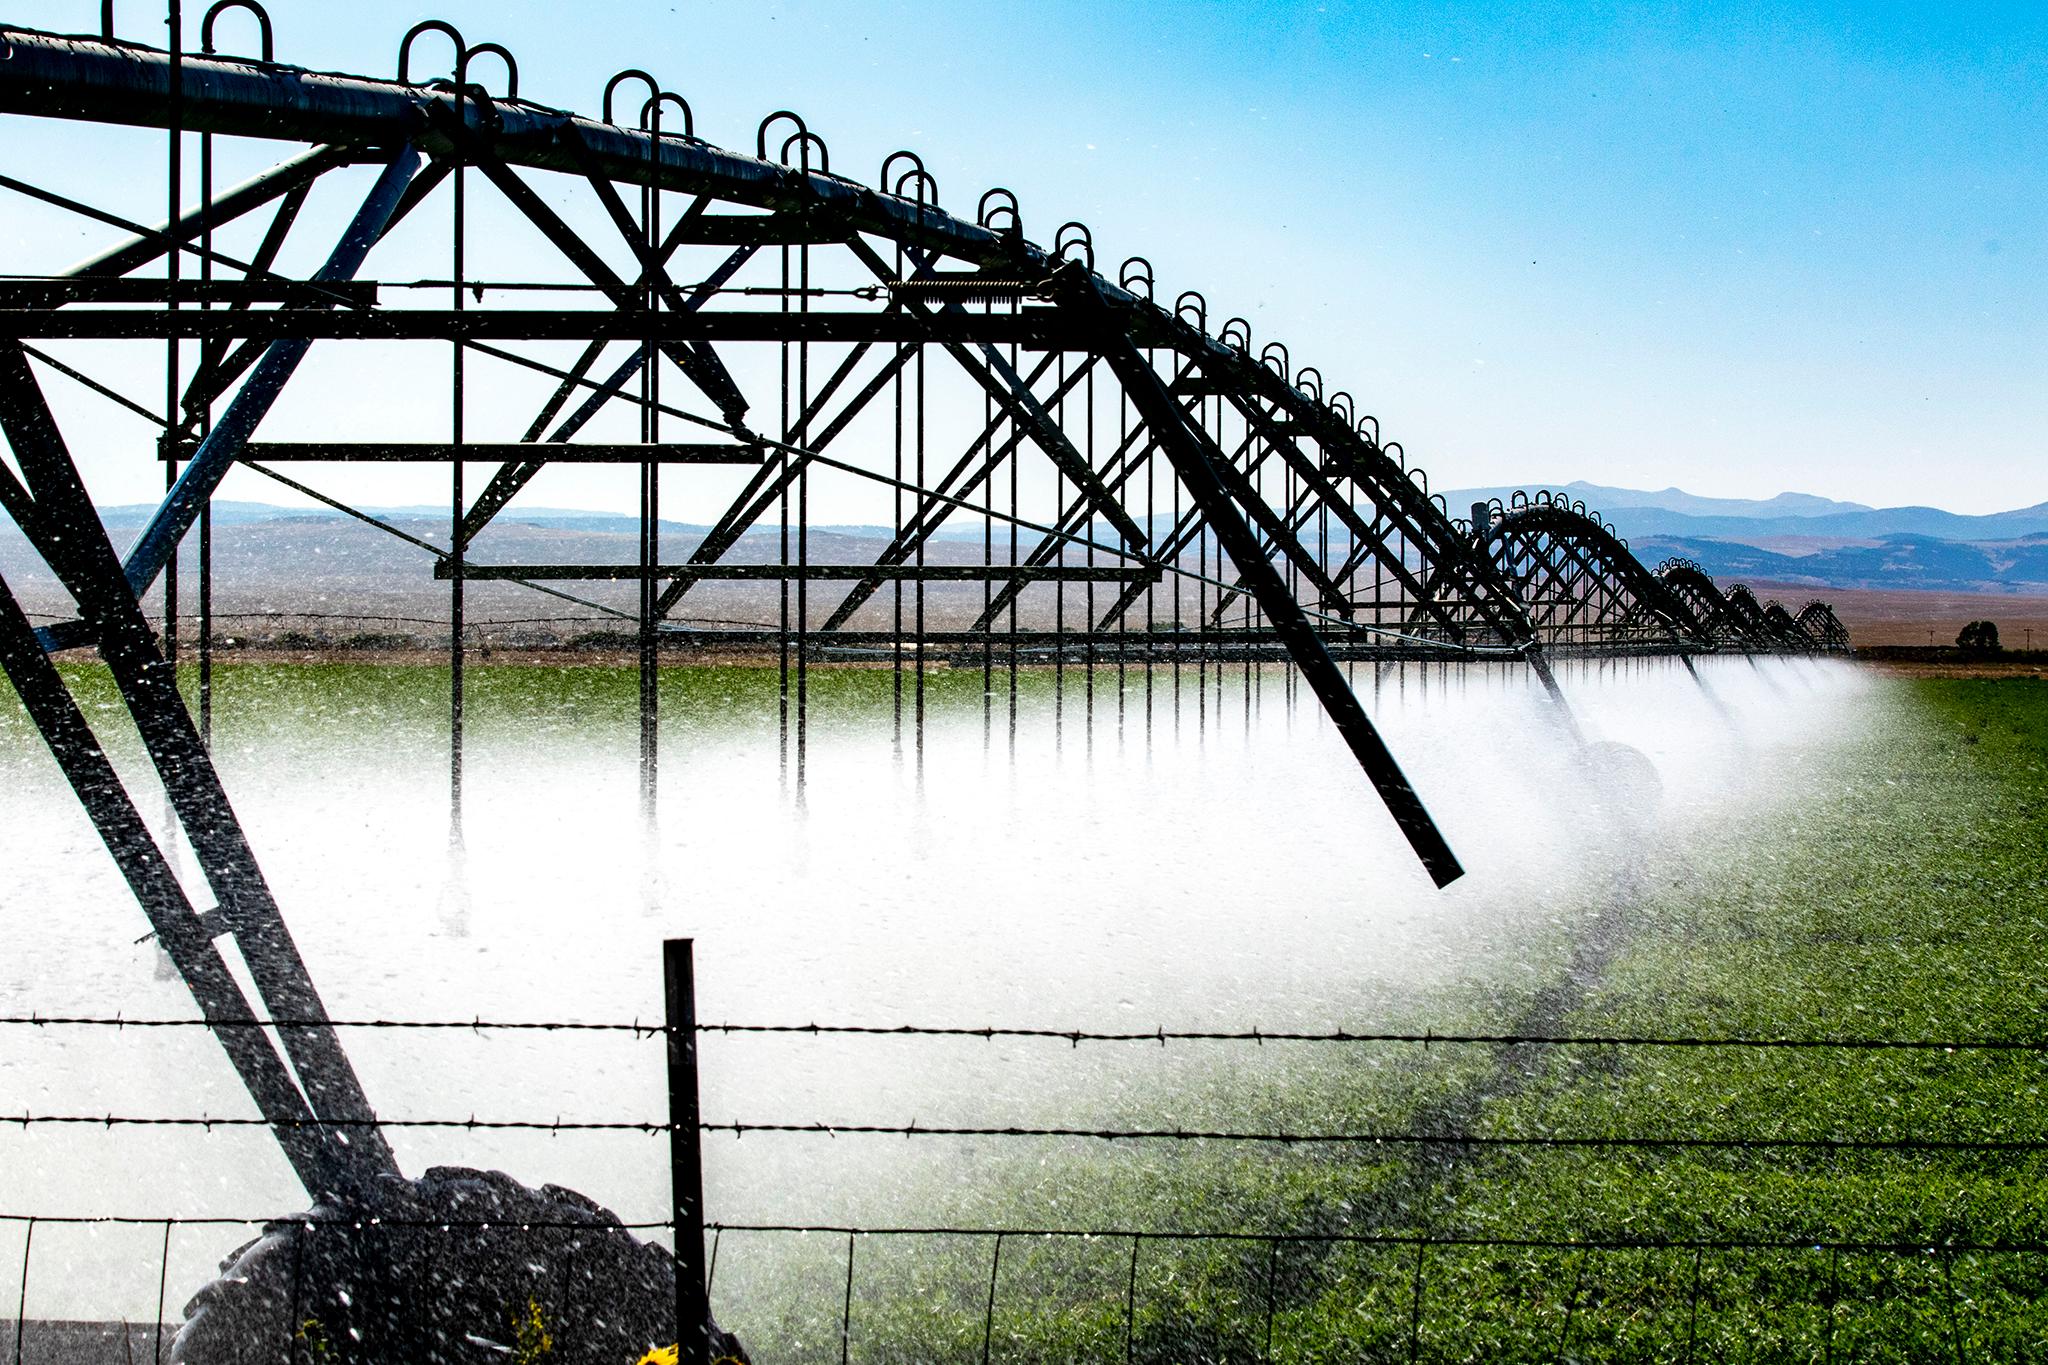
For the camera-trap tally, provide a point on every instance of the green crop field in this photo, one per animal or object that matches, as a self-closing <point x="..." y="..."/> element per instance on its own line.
<point x="1905" y="899"/>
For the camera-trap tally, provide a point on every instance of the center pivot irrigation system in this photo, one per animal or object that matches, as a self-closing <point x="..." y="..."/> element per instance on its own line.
<point x="1079" y="472"/>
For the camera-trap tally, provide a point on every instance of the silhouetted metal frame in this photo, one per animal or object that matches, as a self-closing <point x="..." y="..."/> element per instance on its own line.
<point x="53" y="510"/>
<point x="1454" y="592"/>
<point x="1196" y="461"/>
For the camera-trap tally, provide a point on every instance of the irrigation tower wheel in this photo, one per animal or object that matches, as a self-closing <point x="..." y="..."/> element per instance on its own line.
<point x="456" y="1267"/>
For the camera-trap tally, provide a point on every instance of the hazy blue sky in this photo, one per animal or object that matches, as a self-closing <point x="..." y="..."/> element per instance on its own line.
<point x="1735" y="248"/>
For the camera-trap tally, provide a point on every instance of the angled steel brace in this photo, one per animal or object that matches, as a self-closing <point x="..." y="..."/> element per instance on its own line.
<point x="1393" y="492"/>
<point x="1240" y="486"/>
<point x="1190" y="524"/>
<point x="1486" y="590"/>
<point x="1188" y="527"/>
<point x="75" y="324"/>
<point x="424" y="184"/>
<point x="770" y="480"/>
<point x="654" y="258"/>
<point x="697" y="361"/>
<point x="1318" y="491"/>
<point x="1389" y="488"/>
<point x="1010" y="390"/>
<point x="1300" y="510"/>
<point x="1449" y="553"/>
<point x="510" y="477"/>
<point x="1705" y="601"/>
<point x="1602" y="596"/>
<point x="66" y="530"/>
<point x="218" y="367"/>
<point x="1195" y="458"/>
<point x="700" y="364"/>
<point x="571" y="379"/>
<point x="1278" y="528"/>
<point x="768" y="484"/>
<point x="294" y="174"/>
<point x="1584" y="539"/>
<point x="937" y="505"/>
<point x="186" y="938"/>
<point x="216" y="453"/>
<point x="1297" y="515"/>
<point x="516" y="474"/>
<point x="1131" y="455"/>
<point x="1373" y="548"/>
<point x="1568" y="590"/>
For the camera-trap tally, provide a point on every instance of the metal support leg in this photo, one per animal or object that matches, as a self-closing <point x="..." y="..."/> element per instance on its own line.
<point x="1191" y="455"/>
<point x="65" y="529"/>
<point x="180" y="931"/>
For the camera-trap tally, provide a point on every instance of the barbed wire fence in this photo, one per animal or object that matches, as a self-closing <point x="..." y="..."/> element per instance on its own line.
<point x="1267" y="1258"/>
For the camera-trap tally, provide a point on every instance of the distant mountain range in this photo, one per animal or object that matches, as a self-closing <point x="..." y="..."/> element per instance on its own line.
<point x="1674" y="512"/>
<point x="1790" y="538"/>
<point x="1610" y="499"/>
<point x="1923" y="563"/>
<point x="1800" y="538"/>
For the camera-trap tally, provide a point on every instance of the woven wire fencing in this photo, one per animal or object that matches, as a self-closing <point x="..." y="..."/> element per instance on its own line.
<point x="1409" y="1277"/>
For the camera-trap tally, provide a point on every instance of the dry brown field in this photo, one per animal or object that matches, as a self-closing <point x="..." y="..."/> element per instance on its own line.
<point x="1877" y="616"/>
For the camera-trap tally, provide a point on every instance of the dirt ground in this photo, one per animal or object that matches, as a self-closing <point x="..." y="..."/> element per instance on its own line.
<point x="1887" y="617"/>
<point x="1882" y="621"/>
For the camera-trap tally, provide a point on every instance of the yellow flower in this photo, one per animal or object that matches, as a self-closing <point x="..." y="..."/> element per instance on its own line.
<point x="530" y="1338"/>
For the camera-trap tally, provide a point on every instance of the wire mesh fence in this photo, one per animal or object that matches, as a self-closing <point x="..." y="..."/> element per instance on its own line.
<point x="1011" y="1293"/>
<point x="1385" y="1285"/>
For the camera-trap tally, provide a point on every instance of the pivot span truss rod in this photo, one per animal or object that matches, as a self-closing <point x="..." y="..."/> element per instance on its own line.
<point x="844" y="351"/>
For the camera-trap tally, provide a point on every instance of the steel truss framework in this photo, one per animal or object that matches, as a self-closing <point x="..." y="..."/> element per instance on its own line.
<point x="1129" y="486"/>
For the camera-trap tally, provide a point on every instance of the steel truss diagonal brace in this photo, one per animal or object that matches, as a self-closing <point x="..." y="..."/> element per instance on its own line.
<point x="216" y="454"/>
<point x="698" y="363"/>
<point x="1454" y="558"/>
<point x="1318" y="491"/>
<point x="1190" y="526"/>
<point x="179" y="929"/>
<point x="1011" y="391"/>
<point x="1133" y="453"/>
<point x="1008" y="388"/>
<point x="1194" y="460"/>
<point x="768" y="483"/>
<point x="516" y="474"/>
<point x="280" y="180"/>
<point x="936" y="504"/>
<point x="67" y="532"/>
<point x="1277" y="533"/>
